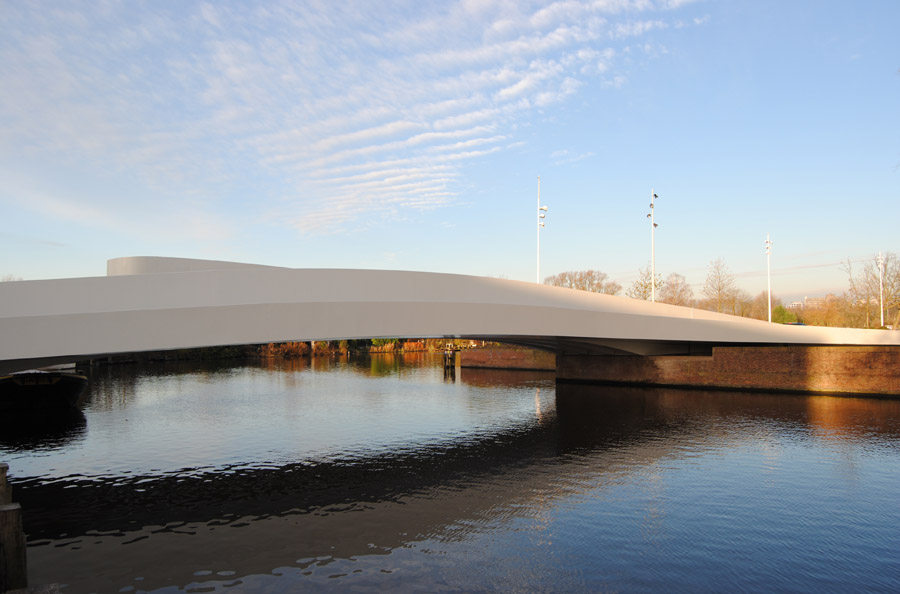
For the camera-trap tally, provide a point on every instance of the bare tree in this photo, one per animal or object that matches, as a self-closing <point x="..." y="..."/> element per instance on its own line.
<point x="758" y="307"/>
<point x="864" y="296"/>
<point x="585" y="280"/>
<point x="676" y="291"/>
<point x="719" y="288"/>
<point x="642" y="288"/>
<point x="830" y="311"/>
<point x="742" y="304"/>
<point x="860" y="305"/>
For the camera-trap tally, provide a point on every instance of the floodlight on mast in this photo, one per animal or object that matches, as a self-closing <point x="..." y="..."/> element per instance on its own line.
<point x="542" y="214"/>
<point x="653" y="227"/>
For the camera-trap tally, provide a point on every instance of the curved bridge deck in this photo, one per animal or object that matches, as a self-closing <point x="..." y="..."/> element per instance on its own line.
<point x="149" y="304"/>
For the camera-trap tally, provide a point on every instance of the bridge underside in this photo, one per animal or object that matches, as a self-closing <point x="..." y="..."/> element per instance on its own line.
<point x="569" y="345"/>
<point x="559" y="345"/>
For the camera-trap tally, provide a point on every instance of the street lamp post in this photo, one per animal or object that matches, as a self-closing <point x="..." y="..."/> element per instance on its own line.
<point x="541" y="214"/>
<point x="769" y="273"/>
<point x="880" y="261"/>
<point x="653" y="227"/>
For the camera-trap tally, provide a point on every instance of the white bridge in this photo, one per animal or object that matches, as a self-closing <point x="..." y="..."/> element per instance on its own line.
<point x="150" y="304"/>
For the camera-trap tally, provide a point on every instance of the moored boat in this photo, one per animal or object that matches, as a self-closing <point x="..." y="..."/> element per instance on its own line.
<point x="36" y="389"/>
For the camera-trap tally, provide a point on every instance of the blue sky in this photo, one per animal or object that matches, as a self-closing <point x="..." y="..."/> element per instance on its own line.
<point x="410" y="135"/>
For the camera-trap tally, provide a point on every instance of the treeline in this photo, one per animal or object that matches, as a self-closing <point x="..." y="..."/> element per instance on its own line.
<point x="857" y="307"/>
<point x="289" y="350"/>
<point x="284" y="350"/>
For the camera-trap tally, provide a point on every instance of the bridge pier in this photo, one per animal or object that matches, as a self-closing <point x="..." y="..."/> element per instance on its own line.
<point x="869" y="370"/>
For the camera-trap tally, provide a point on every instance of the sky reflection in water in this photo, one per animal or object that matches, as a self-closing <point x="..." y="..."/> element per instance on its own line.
<point x="382" y="474"/>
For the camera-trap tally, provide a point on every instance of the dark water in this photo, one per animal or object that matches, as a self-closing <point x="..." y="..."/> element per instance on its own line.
<point x="382" y="475"/>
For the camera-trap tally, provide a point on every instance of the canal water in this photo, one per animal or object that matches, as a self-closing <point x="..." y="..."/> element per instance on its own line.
<point x="383" y="474"/>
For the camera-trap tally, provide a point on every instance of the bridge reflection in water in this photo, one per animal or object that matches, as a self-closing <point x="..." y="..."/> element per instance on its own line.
<point x="625" y="488"/>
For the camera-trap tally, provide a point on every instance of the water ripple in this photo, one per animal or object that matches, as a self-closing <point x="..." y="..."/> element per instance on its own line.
<point x="341" y="477"/>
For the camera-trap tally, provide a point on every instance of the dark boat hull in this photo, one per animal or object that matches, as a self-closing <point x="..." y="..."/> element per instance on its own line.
<point x="40" y="390"/>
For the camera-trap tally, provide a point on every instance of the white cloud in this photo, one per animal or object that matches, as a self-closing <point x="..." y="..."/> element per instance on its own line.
<point x="342" y="110"/>
<point x="637" y="28"/>
<point x="563" y="157"/>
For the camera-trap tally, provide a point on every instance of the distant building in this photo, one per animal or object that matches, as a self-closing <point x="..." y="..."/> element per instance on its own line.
<point x="813" y="302"/>
<point x="818" y="302"/>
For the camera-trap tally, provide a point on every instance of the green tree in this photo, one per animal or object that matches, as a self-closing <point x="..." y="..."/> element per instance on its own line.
<point x="782" y="315"/>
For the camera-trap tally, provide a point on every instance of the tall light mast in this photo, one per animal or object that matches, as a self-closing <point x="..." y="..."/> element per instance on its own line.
<point x="541" y="214"/>
<point x="880" y="261"/>
<point x="769" y="273"/>
<point x="653" y="227"/>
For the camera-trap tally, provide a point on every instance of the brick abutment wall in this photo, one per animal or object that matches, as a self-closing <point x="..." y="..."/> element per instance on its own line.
<point x="831" y="369"/>
<point x="508" y="358"/>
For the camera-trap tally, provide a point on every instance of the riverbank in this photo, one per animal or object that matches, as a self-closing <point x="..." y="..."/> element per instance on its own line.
<point x="804" y="369"/>
<point x="289" y="350"/>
